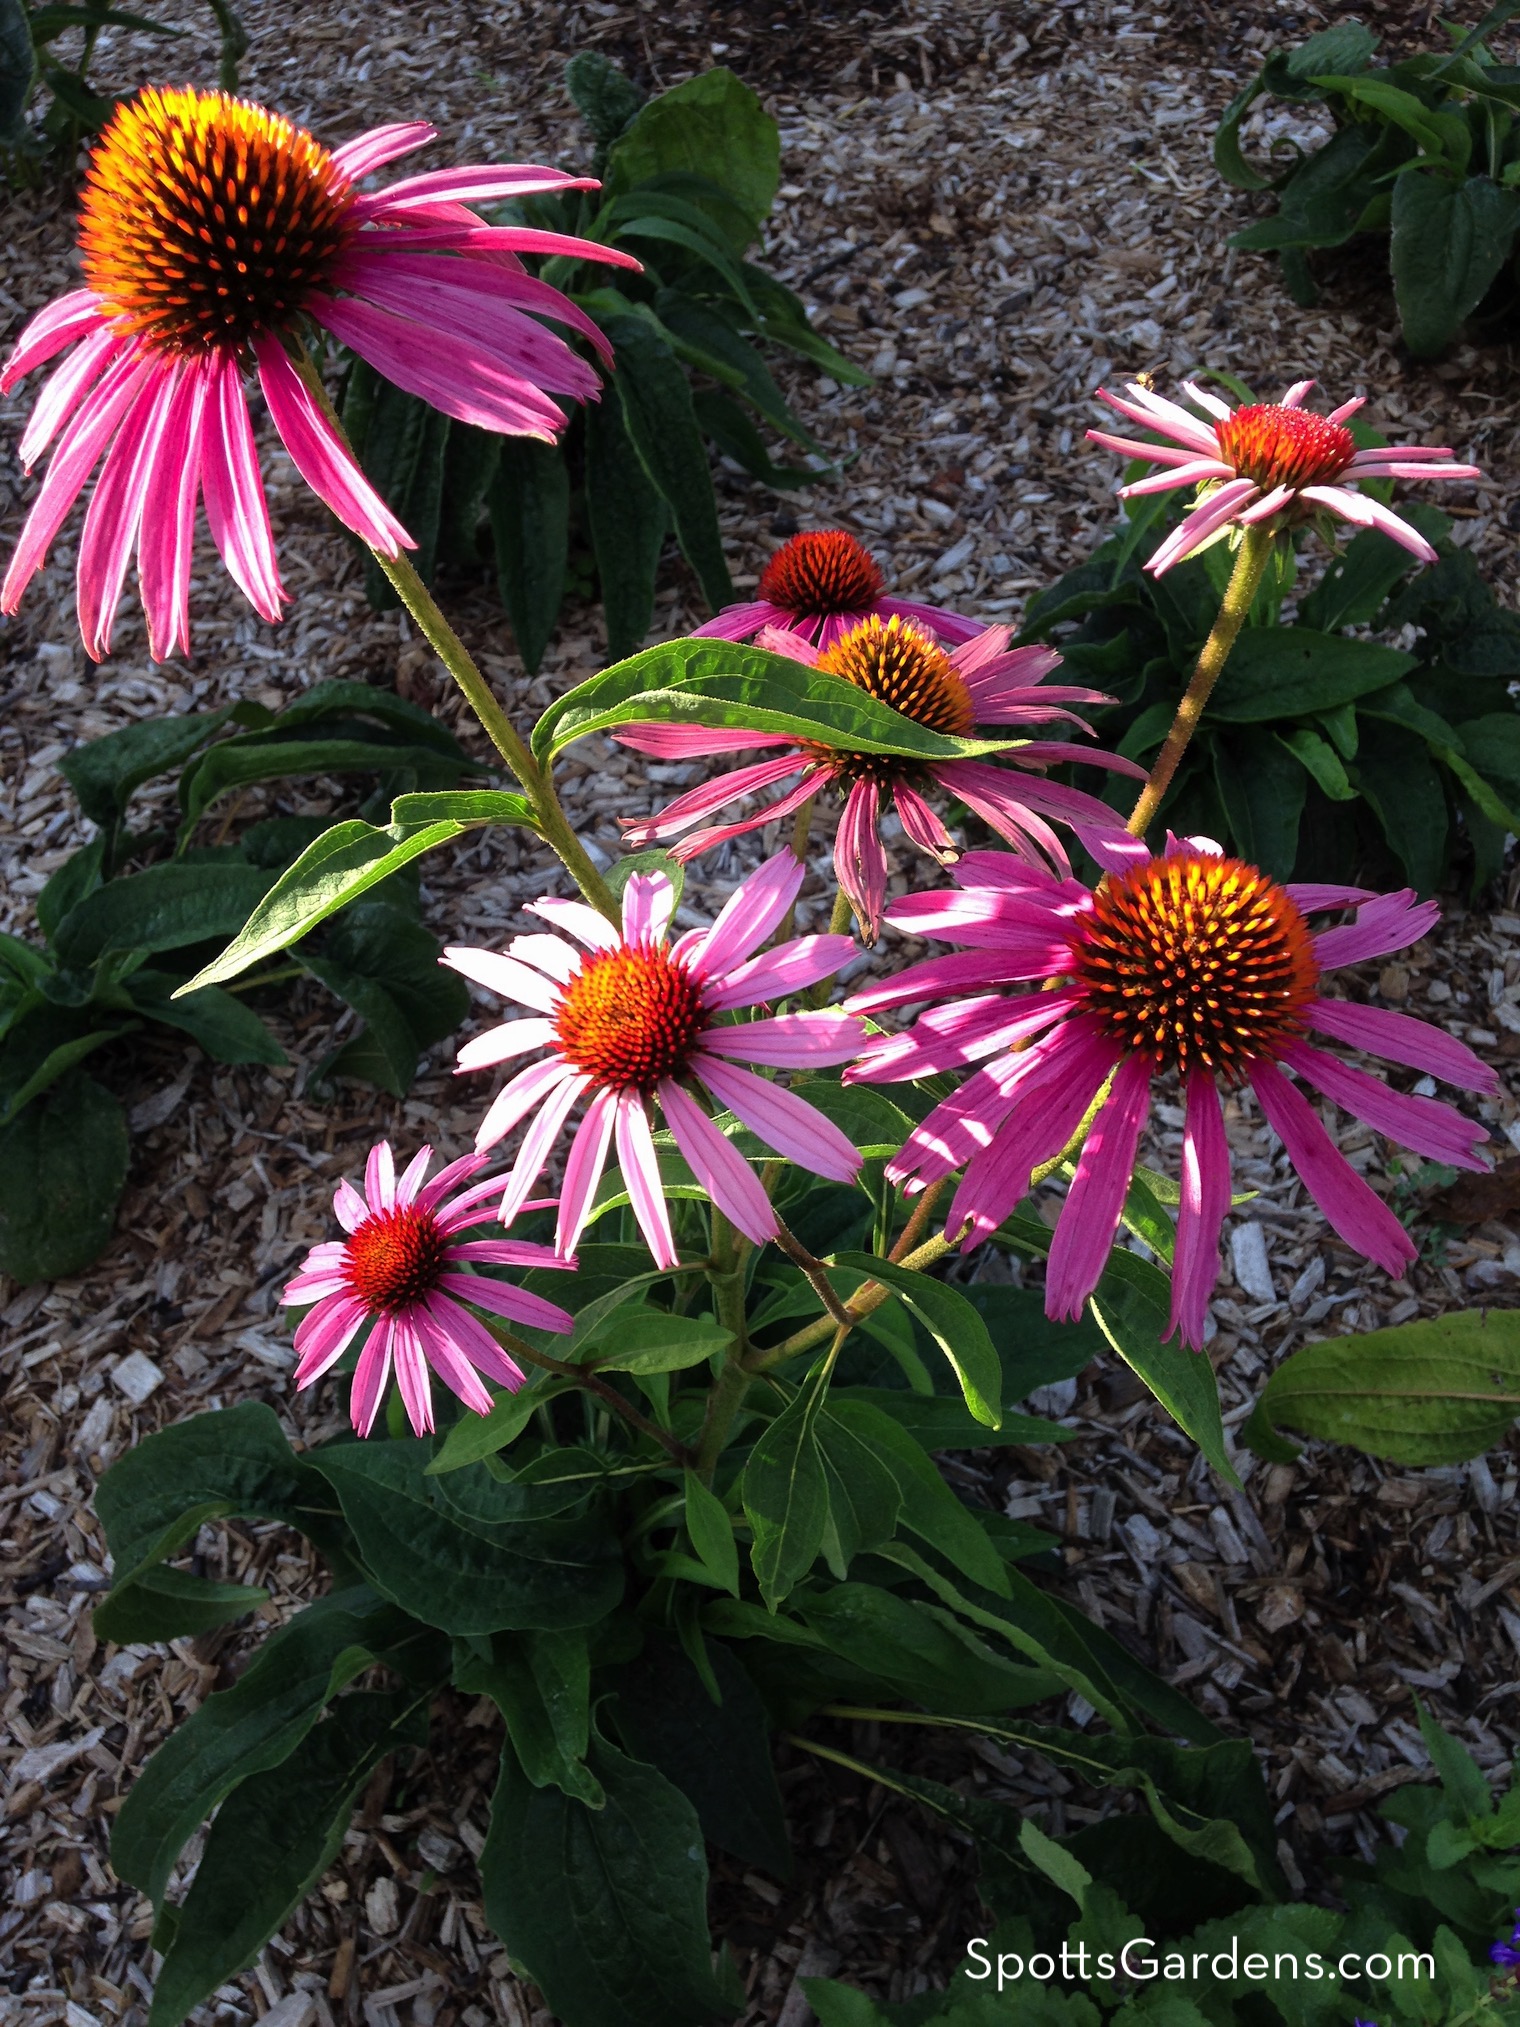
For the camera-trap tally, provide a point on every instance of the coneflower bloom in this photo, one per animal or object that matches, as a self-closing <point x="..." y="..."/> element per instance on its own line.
<point x="209" y="229"/>
<point x="1190" y="961"/>
<point x="1267" y="461"/>
<point x="403" y="1270"/>
<point x="821" y="583"/>
<point x="629" y="1019"/>
<point x="981" y="683"/>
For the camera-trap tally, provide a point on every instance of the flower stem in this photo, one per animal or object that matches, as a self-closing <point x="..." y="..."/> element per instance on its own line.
<point x="816" y="1273"/>
<point x="1251" y="561"/>
<point x="860" y="1305"/>
<point x="583" y="1377"/>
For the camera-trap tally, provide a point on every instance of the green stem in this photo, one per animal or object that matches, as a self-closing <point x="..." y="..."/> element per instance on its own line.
<point x="549" y="818"/>
<point x="860" y="1305"/>
<point x="1251" y="561"/>
<point x="607" y="1395"/>
<point x="841" y="917"/>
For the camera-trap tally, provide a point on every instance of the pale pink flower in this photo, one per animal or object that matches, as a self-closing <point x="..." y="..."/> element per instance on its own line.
<point x="1266" y="462"/>
<point x="627" y="1019"/>
<point x="981" y="683"/>
<point x="1189" y="961"/>
<point x="404" y="1271"/>
<point x="821" y="583"/>
<point x="210" y="229"/>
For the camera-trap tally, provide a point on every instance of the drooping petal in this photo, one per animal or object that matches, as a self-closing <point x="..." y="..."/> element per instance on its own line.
<point x="711" y="795"/>
<point x="1201" y="1212"/>
<point x="236" y="510"/>
<point x="583" y="1170"/>
<point x="371" y="1375"/>
<point x="796" y="1130"/>
<point x="537" y="1143"/>
<point x="372" y="150"/>
<point x="325" y="1334"/>
<point x="1437" y="1131"/>
<point x="319" y="455"/>
<point x="942" y="977"/>
<point x="167" y="539"/>
<point x="474" y="183"/>
<point x="1090" y="1215"/>
<point x="44" y="336"/>
<point x="449" y="1362"/>
<point x="115" y="511"/>
<point x="516" y="1100"/>
<point x="65" y="390"/>
<point x="1399" y="1038"/>
<point x="412" y="1374"/>
<point x="503" y="1298"/>
<point x="641" y="1177"/>
<point x="718" y="1165"/>
<point x="1361" y="1217"/>
<point x="860" y="862"/>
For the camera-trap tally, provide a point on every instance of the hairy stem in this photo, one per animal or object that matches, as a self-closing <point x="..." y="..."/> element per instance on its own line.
<point x="1251" y="561"/>
<point x="860" y="1304"/>
<point x="584" y="1377"/>
<point x="909" y="1236"/>
<point x="814" y="1269"/>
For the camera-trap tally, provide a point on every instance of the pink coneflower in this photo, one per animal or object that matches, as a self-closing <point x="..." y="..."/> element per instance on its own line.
<point x="402" y="1271"/>
<point x="821" y="583"/>
<point x="627" y="1019"/>
<point x="1191" y="962"/>
<point x="982" y="682"/>
<point x="1269" y="461"/>
<point x="209" y="229"/>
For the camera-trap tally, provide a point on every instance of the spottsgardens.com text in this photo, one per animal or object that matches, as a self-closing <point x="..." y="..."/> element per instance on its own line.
<point x="1143" y="1961"/>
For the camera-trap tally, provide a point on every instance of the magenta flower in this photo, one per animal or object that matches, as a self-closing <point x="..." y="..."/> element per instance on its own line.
<point x="1270" y="461"/>
<point x="821" y="583"/>
<point x="626" y="1019"/>
<point x="209" y="229"/>
<point x="401" y="1271"/>
<point x="982" y="682"/>
<point x="1191" y="962"/>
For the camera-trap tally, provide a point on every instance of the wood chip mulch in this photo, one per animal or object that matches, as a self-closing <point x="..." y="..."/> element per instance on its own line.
<point x="996" y="209"/>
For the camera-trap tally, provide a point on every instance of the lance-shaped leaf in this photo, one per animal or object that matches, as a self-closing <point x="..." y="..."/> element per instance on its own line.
<point x="954" y="1325"/>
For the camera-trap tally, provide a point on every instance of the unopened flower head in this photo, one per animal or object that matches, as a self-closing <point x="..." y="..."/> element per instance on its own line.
<point x="212" y="232"/>
<point x="821" y="583"/>
<point x="900" y="663"/>
<point x="405" y="1270"/>
<point x="1191" y="963"/>
<point x="627" y="1021"/>
<point x="1271" y="463"/>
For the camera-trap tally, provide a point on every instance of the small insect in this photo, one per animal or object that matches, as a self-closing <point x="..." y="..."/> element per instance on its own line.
<point x="1147" y="380"/>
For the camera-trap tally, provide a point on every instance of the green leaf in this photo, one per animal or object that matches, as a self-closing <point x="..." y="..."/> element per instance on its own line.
<point x="928" y="1506"/>
<point x="935" y="1422"/>
<point x="954" y="1325"/>
<point x="717" y="1753"/>
<point x="712" y="1533"/>
<point x="712" y="126"/>
<point x="54" y="1066"/>
<point x="1464" y="1781"/>
<point x="163" y="1604"/>
<point x="18" y="71"/>
<point x="627" y="517"/>
<point x="467" y="1573"/>
<point x="606" y="1909"/>
<point x="254" y="1725"/>
<point x="1291" y="671"/>
<point x="276" y="1835"/>
<point x="1321" y="760"/>
<point x="1228" y="159"/>
<point x="226" y="1029"/>
<point x="864" y="1500"/>
<point x="164" y="907"/>
<point x="1436" y="1391"/>
<point x="1355" y="583"/>
<point x="657" y="413"/>
<point x="80" y="874"/>
<point x="785" y="323"/>
<point x="541" y="1683"/>
<point x="1262" y="786"/>
<point x="1449" y="242"/>
<point x="529" y="502"/>
<point x="709" y="682"/>
<point x="49" y="22"/>
<point x="346" y="862"/>
<point x="721" y="418"/>
<point x="105" y="772"/>
<point x="63" y="1165"/>
<point x="605" y="99"/>
<point x="1396" y="774"/>
<point x="476" y="1436"/>
<point x="387" y="969"/>
<point x="652" y="1340"/>
<point x="786" y="1498"/>
<point x="470" y="465"/>
<point x="1131" y="1305"/>
<point x="239" y="763"/>
<point x="729" y="358"/>
<point x="919" y="1650"/>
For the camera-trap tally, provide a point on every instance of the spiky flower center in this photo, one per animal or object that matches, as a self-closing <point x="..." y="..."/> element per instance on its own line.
<point x="899" y="664"/>
<point x="823" y="571"/>
<point x="207" y="221"/>
<point x="630" y="1017"/>
<point x="395" y="1258"/>
<point x="1279" y="446"/>
<point x="1196" y="960"/>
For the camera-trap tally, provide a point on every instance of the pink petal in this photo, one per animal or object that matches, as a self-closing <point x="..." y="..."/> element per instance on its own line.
<point x="919" y="821"/>
<point x="349" y="1207"/>
<point x="236" y="510"/>
<point x="64" y="391"/>
<point x="44" y="336"/>
<point x="973" y="971"/>
<point x="1399" y="1038"/>
<point x="1090" y="1215"/>
<point x="520" y="1305"/>
<point x="380" y="1177"/>
<point x="1361" y="1217"/>
<point x="1391" y="922"/>
<point x="432" y="1194"/>
<point x="640" y="1168"/>
<point x="475" y="183"/>
<point x="1437" y="1131"/>
<point x="371" y="1375"/>
<point x="449" y="1362"/>
<point x="789" y="1041"/>
<point x="583" y="1170"/>
<point x="688" y="742"/>
<point x="795" y="1129"/>
<point x="718" y="1165"/>
<point x="517" y="1099"/>
<point x="711" y="795"/>
<point x="410" y="1180"/>
<point x="471" y="1340"/>
<point x="412" y="1374"/>
<point x="320" y="456"/>
<point x="115" y="511"/>
<point x="734" y="622"/>
<point x="167" y="540"/>
<point x="503" y="975"/>
<point x="946" y="1039"/>
<point x="370" y="151"/>
<point x="552" y="955"/>
<point x="584" y="923"/>
<point x="699" y="841"/>
<point x="1216" y="512"/>
<point x="537" y="1142"/>
<point x="950" y="626"/>
<point x="1201" y="1213"/>
<point x="324" y="1335"/>
<point x="648" y="899"/>
<point x="860" y="863"/>
<point x="751" y="914"/>
<point x="501" y="1044"/>
<point x="777" y="974"/>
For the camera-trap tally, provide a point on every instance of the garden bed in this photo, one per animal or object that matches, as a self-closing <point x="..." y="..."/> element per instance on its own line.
<point x="995" y="212"/>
